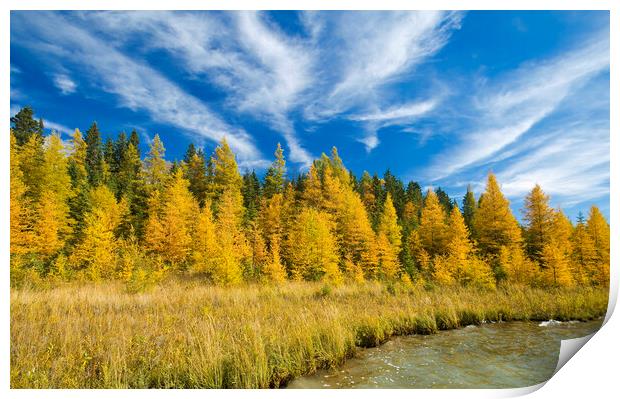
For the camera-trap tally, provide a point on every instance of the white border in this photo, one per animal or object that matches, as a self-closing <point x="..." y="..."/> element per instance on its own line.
<point x="592" y="372"/>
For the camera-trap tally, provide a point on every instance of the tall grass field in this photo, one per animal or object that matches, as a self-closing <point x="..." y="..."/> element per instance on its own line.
<point x="185" y="334"/>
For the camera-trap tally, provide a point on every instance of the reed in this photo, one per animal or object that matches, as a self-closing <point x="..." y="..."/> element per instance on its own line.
<point x="186" y="334"/>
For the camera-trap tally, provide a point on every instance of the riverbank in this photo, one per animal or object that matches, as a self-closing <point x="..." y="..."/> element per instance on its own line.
<point x="190" y="335"/>
<point x="492" y="355"/>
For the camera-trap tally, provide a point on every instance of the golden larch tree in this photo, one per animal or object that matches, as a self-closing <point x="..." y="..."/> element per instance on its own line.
<point x="583" y="256"/>
<point x="171" y="220"/>
<point x="432" y="230"/>
<point x="232" y="242"/>
<point x="20" y="215"/>
<point x="538" y="217"/>
<point x="314" y="252"/>
<point x="389" y="240"/>
<point x="271" y="223"/>
<point x="494" y="223"/>
<point x="205" y="249"/>
<point x="52" y="224"/>
<point x="97" y="252"/>
<point x="598" y="230"/>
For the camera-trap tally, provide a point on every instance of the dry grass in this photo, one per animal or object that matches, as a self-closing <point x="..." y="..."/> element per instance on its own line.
<point x="189" y="335"/>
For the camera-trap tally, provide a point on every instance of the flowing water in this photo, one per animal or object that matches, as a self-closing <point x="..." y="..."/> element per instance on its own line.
<point x="500" y="355"/>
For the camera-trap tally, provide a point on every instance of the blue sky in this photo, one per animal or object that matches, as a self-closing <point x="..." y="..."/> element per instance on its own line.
<point x="437" y="97"/>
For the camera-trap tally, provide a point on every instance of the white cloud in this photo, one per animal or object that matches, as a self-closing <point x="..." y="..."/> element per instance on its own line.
<point x="341" y="63"/>
<point x="507" y="109"/>
<point x="395" y="115"/>
<point x="262" y="70"/>
<point x="400" y="112"/>
<point x="65" y="84"/>
<point x="58" y="127"/>
<point x="136" y="85"/>
<point x="371" y="50"/>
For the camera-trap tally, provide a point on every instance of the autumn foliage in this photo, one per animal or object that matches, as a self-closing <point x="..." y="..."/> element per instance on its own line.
<point x="91" y="211"/>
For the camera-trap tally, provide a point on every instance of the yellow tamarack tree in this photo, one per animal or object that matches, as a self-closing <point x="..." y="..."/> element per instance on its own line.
<point x="52" y="224"/>
<point x="258" y="254"/>
<point x="314" y="252"/>
<point x="205" y="249"/>
<point x="519" y="268"/>
<point x="557" y="251"/>
<point x="389" y="240"/>
<point x="171" y="220"/>
<point x="598" y="229"/>
<point x="313" y="190"/>
<point x="494" y="223"/>
<point x="271" y="223"/>
<point x="538" y="217"/>
<point x="583" y="256"/>
<point x="96" y="254"/>
<point x="20" y="215"/>
<point x="226" y="175"/>
<point x="233" y="247"/>
<point x="358" y="243"/>
<point x="432" y="231"/>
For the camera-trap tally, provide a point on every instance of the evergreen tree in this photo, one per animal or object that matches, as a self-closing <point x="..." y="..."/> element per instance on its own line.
<point x="24" y="126"/>
<point x="79" y="202"/>
<point x="395" y="188"/>
<point x="469" y="210"/>
<point x="135" y="140"/>
<point x="444" y="200"/>
<point x="251" y="192"/>
<point x="156" y="168"/>
<point x="275" y="177"/>
<point x="94" y="155"/>
<point x="196" y="172"/>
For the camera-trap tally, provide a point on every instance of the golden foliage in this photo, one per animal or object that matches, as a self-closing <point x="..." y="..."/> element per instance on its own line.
<point x="494" y="223"/>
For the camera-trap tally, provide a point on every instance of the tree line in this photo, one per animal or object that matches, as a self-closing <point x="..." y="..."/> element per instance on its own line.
<point x="92" y="210"/>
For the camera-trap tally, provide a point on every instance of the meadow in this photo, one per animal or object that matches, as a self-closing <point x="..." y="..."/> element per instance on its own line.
<point x="184" y="333"/>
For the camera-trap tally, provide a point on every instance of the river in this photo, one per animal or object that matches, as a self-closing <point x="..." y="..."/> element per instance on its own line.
<point x="497" y="355"/>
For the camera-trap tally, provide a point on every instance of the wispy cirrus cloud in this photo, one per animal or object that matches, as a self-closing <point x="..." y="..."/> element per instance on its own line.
<point x="400" y="115"/>
<point x="65" y="84"/>
<point x="374" y="49"/>
<point x="262" y="70"/>
<point x="136" y="85"/>
<point x="271" y="74"/>
<point x="505" y="109"/>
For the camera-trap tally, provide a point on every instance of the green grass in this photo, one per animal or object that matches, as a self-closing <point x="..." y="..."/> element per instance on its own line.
<point x="186" y="334"/>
